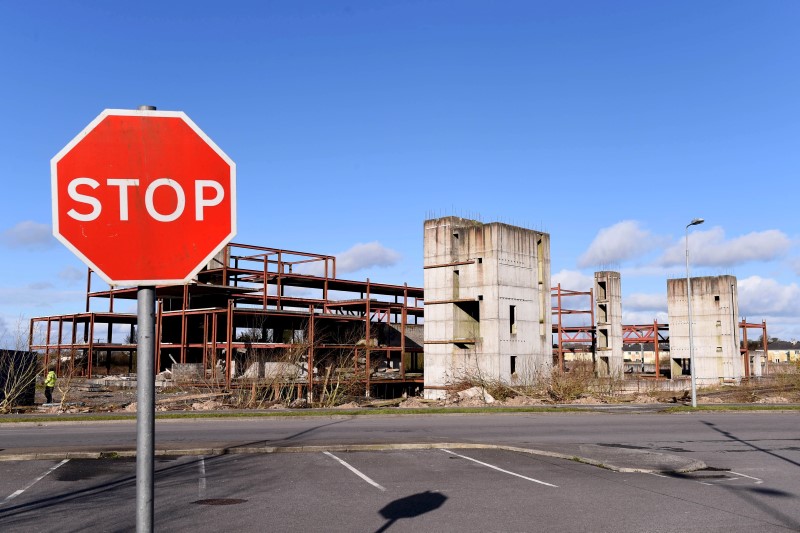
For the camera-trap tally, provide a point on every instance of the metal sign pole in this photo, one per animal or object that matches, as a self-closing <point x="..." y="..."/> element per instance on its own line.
<point x="104" y="242"/>
<point x="145" y="402"/>
<point x="145" y="408"/>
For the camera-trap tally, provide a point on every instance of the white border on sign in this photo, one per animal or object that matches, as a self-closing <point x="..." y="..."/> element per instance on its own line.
<point x="139" y="113"/>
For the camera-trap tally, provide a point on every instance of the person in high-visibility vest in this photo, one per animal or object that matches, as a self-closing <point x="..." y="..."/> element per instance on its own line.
<point x="49" y="383"/>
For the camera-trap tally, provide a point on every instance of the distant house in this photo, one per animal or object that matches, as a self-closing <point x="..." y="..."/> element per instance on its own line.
<point x="784" y="352"/>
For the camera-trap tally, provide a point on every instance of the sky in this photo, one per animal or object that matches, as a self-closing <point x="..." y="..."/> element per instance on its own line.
<point x="609" y="125"/>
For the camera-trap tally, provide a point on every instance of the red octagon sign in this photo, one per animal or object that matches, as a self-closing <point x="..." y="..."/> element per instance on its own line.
<point x="143" y="197"/>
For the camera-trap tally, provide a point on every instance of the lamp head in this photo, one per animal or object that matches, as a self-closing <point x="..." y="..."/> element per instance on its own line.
<point x="695" y="222"/>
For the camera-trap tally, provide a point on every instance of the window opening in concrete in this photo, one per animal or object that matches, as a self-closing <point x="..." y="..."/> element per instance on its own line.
<point x="512" y="319"/>
<point x="716" y="298"/>
<point x="601" y="290"/>
<point x="513" y="364"/>
<point x="602" y="313"/>
<point x="542" y="329"/>
<point x="602" y="338"/>
<point x="540" y="261"/>
<point x="456" y="284"/>
<point x="480" y="260"/>
<point x="455" y="235"/>
<point x="467" y="317"/>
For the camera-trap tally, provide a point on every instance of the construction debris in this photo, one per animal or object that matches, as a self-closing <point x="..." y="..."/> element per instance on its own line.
<point x="475" y="392"/>
<point x="208" y="405"/>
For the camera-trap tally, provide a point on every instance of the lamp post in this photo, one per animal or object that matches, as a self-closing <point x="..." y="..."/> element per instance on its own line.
<point x="692" y="369"/>
<point x="641" y="352"/>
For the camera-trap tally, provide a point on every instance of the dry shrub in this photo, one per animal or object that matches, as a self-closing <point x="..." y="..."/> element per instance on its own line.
<point x="550" y="384"/>
<point x="571" y="385"/>
<point x="787" y="377"/>
<point x="746" y="392"/>
<point x="18" y="371"/>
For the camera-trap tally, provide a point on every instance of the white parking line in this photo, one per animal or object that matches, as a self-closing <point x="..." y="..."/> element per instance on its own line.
<point x="356" y="472"/>
<point x="499" y="469"/>
<point x="31" y="484"/>
<point x="201" y="480"/>
<point x="757" y="481"/>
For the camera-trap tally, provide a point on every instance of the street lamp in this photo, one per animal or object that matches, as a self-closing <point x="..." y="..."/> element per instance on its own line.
<point x="641" y="352"/>
<point x="692" y="369"/>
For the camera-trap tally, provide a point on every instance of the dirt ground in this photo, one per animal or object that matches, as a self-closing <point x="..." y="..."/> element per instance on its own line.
<point x="83" y="397"/>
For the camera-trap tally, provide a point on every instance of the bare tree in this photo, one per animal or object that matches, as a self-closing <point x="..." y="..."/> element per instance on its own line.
<point x="18" y="371"/>
<point x="66" y="383"/>
<point x="18" y="368"/>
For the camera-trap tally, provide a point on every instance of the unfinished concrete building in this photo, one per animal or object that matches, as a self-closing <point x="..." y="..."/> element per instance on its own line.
<point x="715" y="328"/>
<point x="487" y="302"/>
<point x="608" y="310"/>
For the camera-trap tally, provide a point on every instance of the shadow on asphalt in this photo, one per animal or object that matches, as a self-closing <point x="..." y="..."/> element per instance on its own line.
<point x="44" y="503"/>
<point x="733" y="437"/>
<point x="410" y="507"/>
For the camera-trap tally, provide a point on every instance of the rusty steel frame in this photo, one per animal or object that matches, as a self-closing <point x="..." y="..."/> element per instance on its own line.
<point x="744" y="349"/>
<point x="252" y="280"/>
<point x="647" y="334"/>
<point x="579" y="335"/>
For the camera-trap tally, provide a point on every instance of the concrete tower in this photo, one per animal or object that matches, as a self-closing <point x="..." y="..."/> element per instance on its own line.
<point x="487" y="302"/>
<point x="608" y="313"/>
<point x="715" y="309"/>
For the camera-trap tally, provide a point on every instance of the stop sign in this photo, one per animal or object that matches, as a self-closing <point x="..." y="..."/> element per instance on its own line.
<point x="143" y="197"/>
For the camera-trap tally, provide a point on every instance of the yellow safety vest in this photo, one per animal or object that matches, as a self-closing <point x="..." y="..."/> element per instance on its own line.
<point x="50" y="381"/>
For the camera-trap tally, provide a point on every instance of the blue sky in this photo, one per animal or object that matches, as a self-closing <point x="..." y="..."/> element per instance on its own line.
<point x="609" y="125"/>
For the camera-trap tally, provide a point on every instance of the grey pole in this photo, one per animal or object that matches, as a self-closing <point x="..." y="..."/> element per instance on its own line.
<point x="145" y="408"/>
<point x="692" y="370"/>
<point x="145" y="403"/>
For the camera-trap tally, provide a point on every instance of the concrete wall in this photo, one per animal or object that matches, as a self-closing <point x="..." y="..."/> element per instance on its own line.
<point x="715" y="310"/>
<point x="487" y="302"/>
<point x="608" y="315"/>
<point x="392" y="334"/>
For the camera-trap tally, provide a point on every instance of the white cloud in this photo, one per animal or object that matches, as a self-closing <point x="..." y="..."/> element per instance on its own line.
<point x="366" y="255"/>
<point x="28" y="234"/>
<point x="777" y="304"/>
<point x="760" y="297"/>
<point x="786" y="329"/>
<point x="572" y="280"/>
<point x="37" y="295"/>
<point x="358" y="257"/>
<point x="795" y="264"/>
<point x="13" y="332"/>
<point x="623" y="241"/>
<point x="643" y="317"/>
<point x="645" y="302"/>
<point x="709" y="248"/>
<point x="72" y="274"/>
<point x="298" y="292"/>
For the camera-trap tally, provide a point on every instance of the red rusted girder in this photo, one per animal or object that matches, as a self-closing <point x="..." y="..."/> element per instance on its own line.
<point x="248" y="283"/>
<point x="571" y="334"/>
<point x="744" y="349"/>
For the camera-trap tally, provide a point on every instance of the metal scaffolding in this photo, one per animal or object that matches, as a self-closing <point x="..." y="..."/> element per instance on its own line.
<point x="745" y="349"/>
<point x="573" y="338"/>
<point x="251" y="305"/>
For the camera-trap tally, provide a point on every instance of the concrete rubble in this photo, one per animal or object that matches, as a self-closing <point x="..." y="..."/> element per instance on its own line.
<point x="475" y="392"/>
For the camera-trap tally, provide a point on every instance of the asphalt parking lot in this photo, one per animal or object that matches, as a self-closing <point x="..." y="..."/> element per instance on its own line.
<point x="398" y="490"/>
